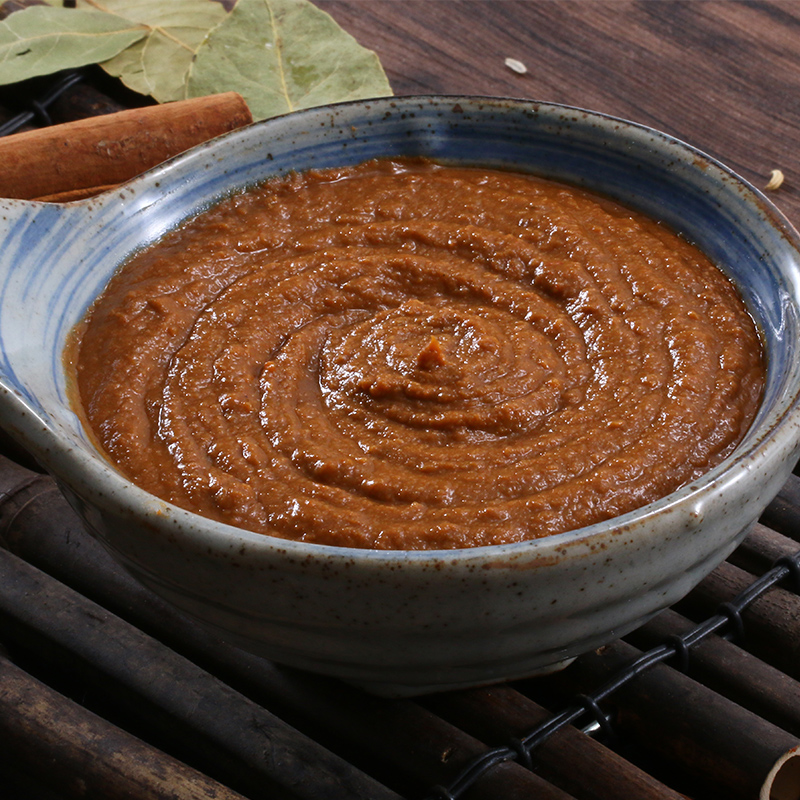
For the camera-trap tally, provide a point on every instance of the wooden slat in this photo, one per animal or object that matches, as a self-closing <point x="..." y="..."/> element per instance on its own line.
<point x="37" y="523"/>
<point x="83" y="756"/>
<point x="685" y="723"/>
<point x="169" y="694"/>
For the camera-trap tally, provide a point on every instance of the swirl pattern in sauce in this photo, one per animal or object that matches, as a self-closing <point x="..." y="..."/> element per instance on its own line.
<point x="403" y="355"/>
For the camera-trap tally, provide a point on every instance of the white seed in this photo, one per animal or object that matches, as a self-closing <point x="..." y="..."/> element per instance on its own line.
<point x="775" y="180"/>
<point x="517" y="66"/>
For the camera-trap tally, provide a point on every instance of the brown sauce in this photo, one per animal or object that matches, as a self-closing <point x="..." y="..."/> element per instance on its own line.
<point x="409" y="356"/>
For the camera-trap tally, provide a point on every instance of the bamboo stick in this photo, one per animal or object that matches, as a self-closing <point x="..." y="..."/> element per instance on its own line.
<point x="82" y="101"/>
<point x="404" y="735"/>
<point x="246" y="745"/>
<point x="771" y="623"/>
<point x="82" y="755"/>
<point x="37" y="523"/>
<point x="762" y="547"/>
<point x="730" y="671"/>
<point x="783" y="513"/>
<point x="569" y="758"/>
<point x="726" y="747"/>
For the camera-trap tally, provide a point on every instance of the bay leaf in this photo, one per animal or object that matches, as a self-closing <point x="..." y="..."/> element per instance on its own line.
<point x="158" y="64"/>
<point x="283" y="55"/>
<point x="41" y="40"/>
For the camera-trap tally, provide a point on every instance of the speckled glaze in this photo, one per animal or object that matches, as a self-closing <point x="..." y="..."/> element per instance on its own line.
<point x="406" y="622"/>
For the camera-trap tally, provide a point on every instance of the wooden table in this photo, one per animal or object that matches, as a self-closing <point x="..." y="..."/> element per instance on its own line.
<point x="719" y="74"/>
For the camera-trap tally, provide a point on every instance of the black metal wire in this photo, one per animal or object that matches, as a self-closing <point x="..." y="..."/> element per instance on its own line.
<point x="38" y="107"/>
<point x="727" y="621"/>
<point x="793" y="565"/>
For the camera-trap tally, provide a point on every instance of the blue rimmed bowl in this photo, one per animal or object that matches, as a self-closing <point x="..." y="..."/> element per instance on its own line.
<point x="402" y="622"/>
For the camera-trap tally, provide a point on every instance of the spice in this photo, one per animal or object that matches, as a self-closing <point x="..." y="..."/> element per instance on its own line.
<point x="516" y="66"/>
<point x="776" y="179"/>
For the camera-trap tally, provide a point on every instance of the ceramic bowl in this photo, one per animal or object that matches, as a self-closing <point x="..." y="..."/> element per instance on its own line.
<point x="401" y="622"/>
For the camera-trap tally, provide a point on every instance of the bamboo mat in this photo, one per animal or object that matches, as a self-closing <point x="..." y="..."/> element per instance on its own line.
<point x="120" y="696"/>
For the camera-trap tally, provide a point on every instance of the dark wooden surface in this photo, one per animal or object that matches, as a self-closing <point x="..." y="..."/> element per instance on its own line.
<point x="721" y="74"/>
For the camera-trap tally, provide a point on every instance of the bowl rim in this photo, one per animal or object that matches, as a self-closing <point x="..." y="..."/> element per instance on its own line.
<point x="97" y="478"/>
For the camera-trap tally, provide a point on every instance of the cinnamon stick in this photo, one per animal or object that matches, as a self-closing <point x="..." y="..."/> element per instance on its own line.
<point x="64" y="162"/>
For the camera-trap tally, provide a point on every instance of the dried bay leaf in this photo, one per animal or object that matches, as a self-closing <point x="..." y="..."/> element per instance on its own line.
<point x="283" y="55"/>
<point x="41" y="40"/>
<point x="158" y="64"/>
<point x="280" y="54"/>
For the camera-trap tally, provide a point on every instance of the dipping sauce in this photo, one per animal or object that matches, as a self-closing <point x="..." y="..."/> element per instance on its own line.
<point x="404" y="355"/>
